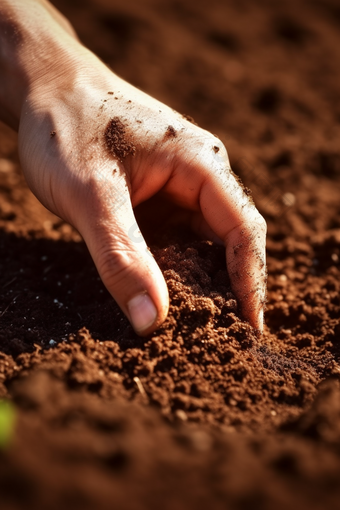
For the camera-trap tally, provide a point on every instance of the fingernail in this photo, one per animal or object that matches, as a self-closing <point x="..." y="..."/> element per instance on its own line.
<point x="261" y="318"/>
<point x="261" y="322"/>
<point x="143" y="312"/>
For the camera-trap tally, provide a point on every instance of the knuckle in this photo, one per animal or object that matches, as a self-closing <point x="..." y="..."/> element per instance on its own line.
<point x="218" y="150"/>
<point x="114" y="265"/>
<point x="255" y="227"/>
<point x="258" y="225"/>
<point x="259" y="219"/>
<point x="262" y="223"/>
<point x="212" y="153"/>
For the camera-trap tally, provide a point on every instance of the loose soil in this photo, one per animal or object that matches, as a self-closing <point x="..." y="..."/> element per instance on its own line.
<point x="203" y="413"/>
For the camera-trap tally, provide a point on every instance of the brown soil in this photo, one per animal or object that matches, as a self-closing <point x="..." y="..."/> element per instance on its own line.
<point x="203" y="414"/>
<point x="116" y="141"/>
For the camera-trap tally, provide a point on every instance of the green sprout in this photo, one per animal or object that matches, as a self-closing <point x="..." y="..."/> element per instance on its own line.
<point x="7" y="420"/>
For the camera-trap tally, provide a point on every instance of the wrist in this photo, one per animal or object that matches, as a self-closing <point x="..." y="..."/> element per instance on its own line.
<point x="35" y="48"/>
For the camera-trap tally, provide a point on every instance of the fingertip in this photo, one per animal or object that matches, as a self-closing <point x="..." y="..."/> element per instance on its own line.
<point x="145" y="313"/>
<point x="142" y="312"/>
<point x="259" y="323"/>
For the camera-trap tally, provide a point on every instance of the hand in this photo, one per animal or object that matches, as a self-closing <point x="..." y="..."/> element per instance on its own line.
<point x="93" y="147"/>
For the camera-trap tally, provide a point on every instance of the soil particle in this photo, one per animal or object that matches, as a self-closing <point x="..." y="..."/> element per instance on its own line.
<point x="117" y="141"/>
<point x="170" y="132"/>
<point x="189" y="118"/>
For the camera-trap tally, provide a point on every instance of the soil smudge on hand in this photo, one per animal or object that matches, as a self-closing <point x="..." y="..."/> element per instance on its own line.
<point x="117" y="141"/>
<point x="170" y="132"/>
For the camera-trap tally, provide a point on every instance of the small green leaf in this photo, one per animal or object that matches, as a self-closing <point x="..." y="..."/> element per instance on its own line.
<point x="7" y="421"/>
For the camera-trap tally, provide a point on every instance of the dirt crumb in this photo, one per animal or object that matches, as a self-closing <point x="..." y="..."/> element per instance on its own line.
<point x="116" y="140"/>
<point x="189" y="118"/>
<point x="170" y="132"/>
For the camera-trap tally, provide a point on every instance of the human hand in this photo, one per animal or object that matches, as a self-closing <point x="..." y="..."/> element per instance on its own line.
<point x="93" y="147"/>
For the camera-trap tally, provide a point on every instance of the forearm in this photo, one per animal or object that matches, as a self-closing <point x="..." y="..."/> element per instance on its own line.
<point x="33" y="38"/>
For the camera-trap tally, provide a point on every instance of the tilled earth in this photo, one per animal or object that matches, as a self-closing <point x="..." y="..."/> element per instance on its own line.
<point x="203" y="413"/>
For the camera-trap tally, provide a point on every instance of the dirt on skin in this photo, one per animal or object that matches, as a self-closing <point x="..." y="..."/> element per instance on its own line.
<point x="203" y="413"/>
<point x="116" y="140"/>
<point x="170" y="132"/>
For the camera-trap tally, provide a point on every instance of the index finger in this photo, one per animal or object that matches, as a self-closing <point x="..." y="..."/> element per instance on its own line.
<point x="232" y="215"/>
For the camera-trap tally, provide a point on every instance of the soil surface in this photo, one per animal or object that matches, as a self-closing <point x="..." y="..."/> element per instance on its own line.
<point x="203" y="413"/>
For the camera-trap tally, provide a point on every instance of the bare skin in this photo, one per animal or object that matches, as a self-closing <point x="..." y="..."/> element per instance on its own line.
<point x="61" y="98"/>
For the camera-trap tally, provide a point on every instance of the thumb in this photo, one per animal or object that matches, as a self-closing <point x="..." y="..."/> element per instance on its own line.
<point x="125" y="265"/>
